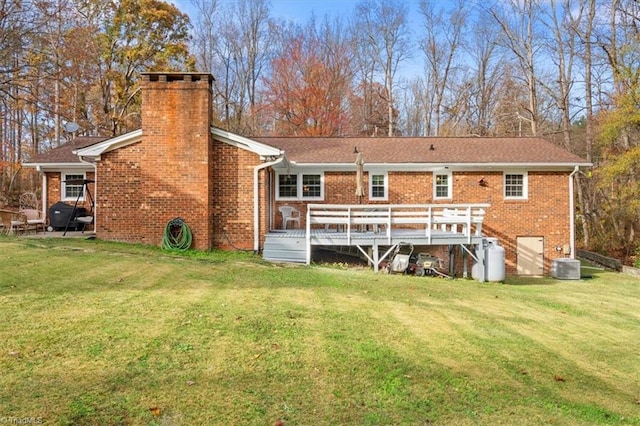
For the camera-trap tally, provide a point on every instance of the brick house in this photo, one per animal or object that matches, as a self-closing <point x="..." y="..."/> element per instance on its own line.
<point x="228" y="188"/>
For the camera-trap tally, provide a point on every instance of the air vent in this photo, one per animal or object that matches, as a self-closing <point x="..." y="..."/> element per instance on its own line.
<point x="565" y="269"/>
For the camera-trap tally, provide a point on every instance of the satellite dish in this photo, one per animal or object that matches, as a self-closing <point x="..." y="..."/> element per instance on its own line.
<point x="70" y="127"/>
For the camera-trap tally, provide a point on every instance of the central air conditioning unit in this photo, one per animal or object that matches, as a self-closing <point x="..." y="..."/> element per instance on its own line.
<point x="565" y="269"/>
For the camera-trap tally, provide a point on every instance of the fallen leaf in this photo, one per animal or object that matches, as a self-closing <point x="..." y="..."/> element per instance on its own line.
<point x="155" y="411"/>
<point x="190" y="383"/>
<point x="559" y="378"/>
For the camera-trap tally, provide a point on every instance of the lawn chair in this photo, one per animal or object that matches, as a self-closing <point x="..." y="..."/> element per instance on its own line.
<point x="30" y="209"/>
<point x="34" y="219"/>
<point x="12" y="221"/>
<point x="289" y="214"/>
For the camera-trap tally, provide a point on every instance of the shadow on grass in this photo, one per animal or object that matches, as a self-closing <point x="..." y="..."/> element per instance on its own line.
<point x="517" y="280"/>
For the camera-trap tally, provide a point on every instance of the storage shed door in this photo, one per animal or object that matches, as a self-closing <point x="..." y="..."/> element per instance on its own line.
<point x="530" y="252"/>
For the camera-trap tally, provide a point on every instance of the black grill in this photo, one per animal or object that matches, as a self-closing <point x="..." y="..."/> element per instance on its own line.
<point x="61" y="213"/>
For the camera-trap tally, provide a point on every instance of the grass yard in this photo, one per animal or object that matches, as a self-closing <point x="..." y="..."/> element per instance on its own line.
<point x="104" y="333"/>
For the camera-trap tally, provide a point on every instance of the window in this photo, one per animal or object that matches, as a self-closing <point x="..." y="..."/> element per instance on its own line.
<point x="515" y="185"/>
<point x="378" y="186"/>
<point x="311" y="186"/>
<point x="72" y="186"/>
<point x="288" y="186"/>
<point x="442" y="185"/>
<point x="300" y="186"/>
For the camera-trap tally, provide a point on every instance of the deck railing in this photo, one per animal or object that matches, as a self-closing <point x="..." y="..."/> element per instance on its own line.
<point x="463" y="219"/>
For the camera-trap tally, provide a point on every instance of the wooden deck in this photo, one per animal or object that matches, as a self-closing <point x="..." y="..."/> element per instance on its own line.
<point x="376" y="228"/>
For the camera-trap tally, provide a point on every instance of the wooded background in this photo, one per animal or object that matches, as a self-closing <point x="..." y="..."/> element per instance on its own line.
<point x="567" y="70"/>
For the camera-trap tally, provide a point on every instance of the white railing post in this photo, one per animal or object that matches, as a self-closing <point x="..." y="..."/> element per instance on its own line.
<point x="308" y="235"/>
<point x="469" y="224"/>
<point x="349" y="218"/>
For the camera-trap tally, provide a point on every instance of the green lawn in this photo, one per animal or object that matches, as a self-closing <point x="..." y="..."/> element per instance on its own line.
<point x="103" y="333"/>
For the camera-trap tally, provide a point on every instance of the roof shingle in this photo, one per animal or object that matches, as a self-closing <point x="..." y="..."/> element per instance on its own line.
<point x="64" y="153"/>
<point x="467" y="150"/>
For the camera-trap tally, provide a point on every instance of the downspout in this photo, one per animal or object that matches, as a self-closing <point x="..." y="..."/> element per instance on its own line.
<point x="256" y="201"/>
<point x="572" y="213"/>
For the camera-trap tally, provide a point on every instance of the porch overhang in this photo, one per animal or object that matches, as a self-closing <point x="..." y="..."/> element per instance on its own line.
<point x="92" y="153"/>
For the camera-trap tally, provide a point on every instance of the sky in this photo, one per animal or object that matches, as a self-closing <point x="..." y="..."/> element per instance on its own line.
<point x="300" y="11"/>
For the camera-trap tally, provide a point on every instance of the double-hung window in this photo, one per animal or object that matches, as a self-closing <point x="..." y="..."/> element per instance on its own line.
<point x="300" y="186"/>
<point x="378" y="186"/>
<point x="72" y="186"/>
<point x="515" y="186"/>
<point x="442" y="184"/>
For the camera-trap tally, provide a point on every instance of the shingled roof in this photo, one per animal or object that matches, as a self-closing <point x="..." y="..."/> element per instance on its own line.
<point x="63" y="154"/>
<point x="431" y="150"/>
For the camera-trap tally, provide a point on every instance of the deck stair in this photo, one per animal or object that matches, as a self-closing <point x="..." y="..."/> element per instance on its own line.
<point x="285" y="247"/>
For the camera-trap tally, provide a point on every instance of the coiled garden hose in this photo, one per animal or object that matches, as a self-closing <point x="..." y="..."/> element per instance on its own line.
<point x="177" y="235"/>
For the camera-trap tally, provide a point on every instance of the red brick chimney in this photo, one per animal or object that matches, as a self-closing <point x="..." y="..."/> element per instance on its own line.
<point x="177" y="153"/>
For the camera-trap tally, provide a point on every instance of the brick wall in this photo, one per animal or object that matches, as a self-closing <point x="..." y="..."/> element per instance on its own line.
<point x="545" y="213"/>
<point x="233" y="199"/>
<point x="166" y="175"/>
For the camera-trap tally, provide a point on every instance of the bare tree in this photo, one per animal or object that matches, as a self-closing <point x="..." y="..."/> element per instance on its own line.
<point x="441" y="45"/>
<point x="205" y="33"/>
<point x="381" y="32"/>
<point x="232" y="42"/>
<point x="487" y="67"/>
<point x="517" y="20"/>
<point x="582" y="26"/>
<point x="561" y="49"/>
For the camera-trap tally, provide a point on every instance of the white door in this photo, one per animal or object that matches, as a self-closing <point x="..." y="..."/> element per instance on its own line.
<point x="530" y="252"/>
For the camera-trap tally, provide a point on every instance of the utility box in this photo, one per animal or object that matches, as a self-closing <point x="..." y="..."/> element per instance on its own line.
<point x="565" y="269"/>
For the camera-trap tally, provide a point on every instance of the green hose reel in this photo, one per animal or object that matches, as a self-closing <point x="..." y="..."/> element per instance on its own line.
<point x="177" y="235"/>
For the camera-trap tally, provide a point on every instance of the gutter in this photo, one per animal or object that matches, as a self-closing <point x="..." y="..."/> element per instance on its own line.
<point x="572" y="214"/>
<point x="256" y="201"/>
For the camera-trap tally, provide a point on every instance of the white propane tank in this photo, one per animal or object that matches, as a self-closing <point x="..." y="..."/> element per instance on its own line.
<point x="494" y="259"/>
<point x="494" y="254"/>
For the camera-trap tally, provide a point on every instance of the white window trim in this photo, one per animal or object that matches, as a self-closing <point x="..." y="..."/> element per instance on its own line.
<point x="386" y="186"/>
<point x="525" y="184"/>
<point x="299" y="186"/>
<point x="449" y="175"/>
<point x="63" y="186"/>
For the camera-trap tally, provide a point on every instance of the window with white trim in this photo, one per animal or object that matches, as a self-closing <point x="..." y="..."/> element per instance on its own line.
<point x="442" y="183"/>
<point x="515" y="186"/>
<point x="311" y="186"/>
<point x="378" y="186"/>
<point x="300" y="186"/>
<point x="71" y="190"/>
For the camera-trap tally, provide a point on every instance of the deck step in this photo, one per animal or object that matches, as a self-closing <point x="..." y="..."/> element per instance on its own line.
<point x="278" y="249"/>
